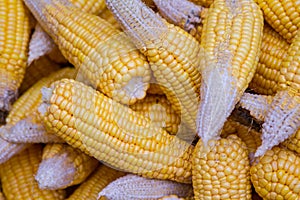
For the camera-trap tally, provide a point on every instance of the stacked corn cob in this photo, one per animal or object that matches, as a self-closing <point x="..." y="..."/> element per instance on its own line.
<point x="154" y="136"/>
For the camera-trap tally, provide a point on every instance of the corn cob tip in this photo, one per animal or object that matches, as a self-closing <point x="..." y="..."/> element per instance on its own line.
<point x="50" y="177"/>
<point x="8" y="149"/>
<point x="46" y="95"/>
<point x="183" y="13"/>
<point x="218" y="98"/>
<point x="7" y="97"/>
<point x="282" y="120"/>
<point x="28" y="131"/>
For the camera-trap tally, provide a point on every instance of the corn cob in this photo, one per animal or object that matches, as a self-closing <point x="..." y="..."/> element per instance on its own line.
<point x="134" y="187"/>
<point x="97" y="181"/>
<point x="205" y="3"/>
<point x="63" y="166"/>
<point x="158" y="109"/>
<point x="37" y="70"/>
<point x="231" y="40"/>
<point x="283" y="119"/>
<point x="293" y="142"/>
<point x="103" y="54"/>
<point x="14" y="37"/>
<point x="248" y="135"/>
<point x="23" y="107"/>
<point x="276" y="175"/>
<point x="283" y="16"/>
<point x="17" y="177"/>
<point x="114" y="133"/>
<point x="273" y="51"/>
<point x="221" y="169"/>
<point x="172" y="53"/>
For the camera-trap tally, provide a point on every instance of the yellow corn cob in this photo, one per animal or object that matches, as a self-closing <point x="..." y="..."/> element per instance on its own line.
<point x="113" y="133"/>
<point x="231" y="40"/>
<point x="103" y="54"/>
<point x="134" y="187"/>
<point x="63" y="166"/>
<point x="14" y="39"/>
<point x="37" y="70"/>
<point x="205" y="3"/>
<point x="283" y="119"/>
<point x="276" y="175"/>
<point x="23" y="107"/>
<point x="248" y="135"/>
<point x="221" y="170"/>
<point x="159" y="110"/>
<point x="90" y="6"/>
<point x="283" y="16"/>
<point x="97" y="181"/>
<point x="109" y="17"/>
<point x="273" y="51"/>
<point x="17" y="177"/>
<point x="173" y="55"/>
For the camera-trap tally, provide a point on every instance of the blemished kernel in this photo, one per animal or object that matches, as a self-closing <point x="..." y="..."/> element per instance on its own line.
<point x="233" y="181"/>
<point x="281" y="182"/>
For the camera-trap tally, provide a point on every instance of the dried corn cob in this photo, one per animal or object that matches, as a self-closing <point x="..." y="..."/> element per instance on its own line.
<point x="134" y="187"/>
<point x="97" y="181"/>
<point x="248" y="135"/>
<point x="17" y="177"/>
<point x="283" y="16"/>
<point x="173" y="55"/>
<point x="159" y="110"/>
<point x="221" y="169"/>
<point x="37" y="70"/>
<point x="113" y="133"/>
<point x="276" y="175"/>
<point x="273" y="51"/>
<point x="205" y="3"/>
<point x="293" y="142"/>
<point x="63" y="166"/>
<point x="231" y="40"/>
<point x="283" y="119"/>
<point x="14" y="37"/>
<point x="103" y="54"/>
<point x="23" y="107"/>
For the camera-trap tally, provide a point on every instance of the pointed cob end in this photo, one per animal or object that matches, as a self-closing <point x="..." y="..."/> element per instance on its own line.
<point x="7" y="97"/>
<point x="219" y="95"/>
<point x="281" y="122"/>
<point x="49" y="175"/>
